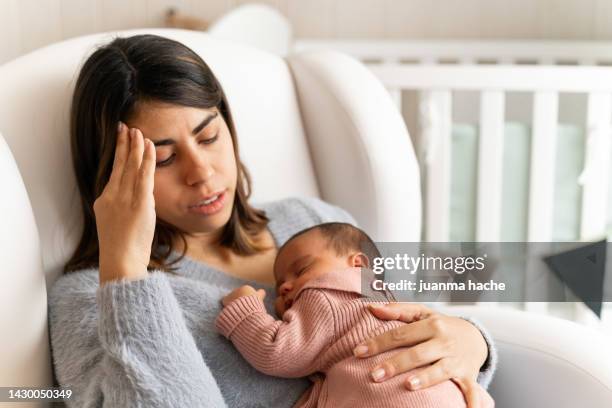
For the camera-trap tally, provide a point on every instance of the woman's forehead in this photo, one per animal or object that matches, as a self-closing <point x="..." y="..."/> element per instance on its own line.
<point x="156" y="117"/>
<point x="152" y="109"/>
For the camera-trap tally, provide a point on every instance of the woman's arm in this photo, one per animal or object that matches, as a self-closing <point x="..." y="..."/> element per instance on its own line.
<point x="126" y="344"/>
<point x="284" y="348"/>
<point x="451" y="347"/>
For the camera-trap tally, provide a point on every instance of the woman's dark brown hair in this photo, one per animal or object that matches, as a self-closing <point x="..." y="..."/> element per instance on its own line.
<point x="112" y="81"/>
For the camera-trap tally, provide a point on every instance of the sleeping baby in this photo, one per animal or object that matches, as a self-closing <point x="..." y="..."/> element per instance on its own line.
<point x="324" y="317"/>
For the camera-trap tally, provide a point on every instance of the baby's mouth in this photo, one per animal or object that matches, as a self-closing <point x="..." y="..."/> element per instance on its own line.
<point x="288" y="303"/>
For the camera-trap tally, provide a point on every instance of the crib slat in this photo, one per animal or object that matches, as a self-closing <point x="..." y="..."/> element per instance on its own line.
<point x="541" y="192"/>
<point x="542" y="166"/>
<point x="490" y="155"/>
<point x="596" y="175"/>
<point x="436" y="122"/>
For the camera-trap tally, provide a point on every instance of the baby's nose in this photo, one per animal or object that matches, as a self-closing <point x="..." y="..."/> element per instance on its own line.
<point x="284" y="288"/>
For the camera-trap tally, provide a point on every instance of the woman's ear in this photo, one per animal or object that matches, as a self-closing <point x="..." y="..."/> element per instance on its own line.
<point x="359" y="260"/>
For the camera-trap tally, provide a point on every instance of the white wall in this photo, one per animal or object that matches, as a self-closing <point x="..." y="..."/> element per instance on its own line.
<point x="29" y="24"/>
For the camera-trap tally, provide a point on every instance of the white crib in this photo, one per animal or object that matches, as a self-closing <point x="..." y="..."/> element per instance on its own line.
<point x="487" y="82"/>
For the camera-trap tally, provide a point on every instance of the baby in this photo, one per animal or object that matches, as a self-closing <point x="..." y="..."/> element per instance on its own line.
<point x="324" y="317"/>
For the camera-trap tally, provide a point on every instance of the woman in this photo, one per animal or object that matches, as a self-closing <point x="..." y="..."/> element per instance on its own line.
<point x="168" y="230"/>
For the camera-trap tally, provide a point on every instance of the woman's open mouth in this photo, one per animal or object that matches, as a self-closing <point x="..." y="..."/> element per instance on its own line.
<point x="209" y="206"/>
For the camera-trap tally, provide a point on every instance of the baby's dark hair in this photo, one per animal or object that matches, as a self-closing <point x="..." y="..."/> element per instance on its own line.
<point x="343" y="238"/>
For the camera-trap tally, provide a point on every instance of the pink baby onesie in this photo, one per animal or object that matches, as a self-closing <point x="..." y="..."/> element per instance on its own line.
<point x="316" y="338"/>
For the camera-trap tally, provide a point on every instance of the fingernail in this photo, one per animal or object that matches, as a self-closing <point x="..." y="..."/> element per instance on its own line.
<point x="378" y="374"/>
<point x="119" y="127"/>
<point x="360" y="350"/>
<point x="375" y="306"/>
<point x="414" y="383"/>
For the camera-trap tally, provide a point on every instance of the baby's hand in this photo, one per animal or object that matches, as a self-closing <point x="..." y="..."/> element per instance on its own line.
<point x="245" y="290"/>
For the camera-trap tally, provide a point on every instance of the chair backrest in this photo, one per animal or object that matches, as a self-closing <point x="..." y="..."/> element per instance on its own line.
<point x="258" y="25"/>
<point x="36" y="90"/>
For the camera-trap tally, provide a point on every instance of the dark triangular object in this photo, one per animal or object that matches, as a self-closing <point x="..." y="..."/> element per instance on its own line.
<point x="582" y="270"/>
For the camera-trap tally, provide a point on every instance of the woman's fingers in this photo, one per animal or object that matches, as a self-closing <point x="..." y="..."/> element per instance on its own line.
<point x="146" y="176"/>
<point x="132" y="166"/>
<point x="416" y="356"/>
<point x="122" y="149"/>
<point x="475" y="395"/>
<point x="403" y="336"/>
<point x="470" y="394"/>
<point x="405" y="312"/>
<point x="432" y="375"/>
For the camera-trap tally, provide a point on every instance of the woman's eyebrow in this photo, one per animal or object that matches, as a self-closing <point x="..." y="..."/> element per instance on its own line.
<point x="203" y="124"/>
<point x="194" y="132"/>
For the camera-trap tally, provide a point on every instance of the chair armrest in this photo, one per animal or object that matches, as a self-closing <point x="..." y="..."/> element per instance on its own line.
<point x="361" y="150"/>
<point x="545" y="361"/>
<point x="24" y="344"/>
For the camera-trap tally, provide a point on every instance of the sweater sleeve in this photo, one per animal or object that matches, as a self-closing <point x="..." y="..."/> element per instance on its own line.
<point x="126" y="344"/>
<point x="284" y="348"/>
<point x="488" y="368"/>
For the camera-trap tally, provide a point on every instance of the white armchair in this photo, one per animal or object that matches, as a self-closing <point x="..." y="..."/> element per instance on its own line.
<point x="316" y="124"/>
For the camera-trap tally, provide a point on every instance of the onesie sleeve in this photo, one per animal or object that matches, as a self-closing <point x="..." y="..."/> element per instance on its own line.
<point x="284" y="348"/>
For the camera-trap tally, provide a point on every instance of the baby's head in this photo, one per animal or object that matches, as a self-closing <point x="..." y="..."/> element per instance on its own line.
<point x="315" y="251"/>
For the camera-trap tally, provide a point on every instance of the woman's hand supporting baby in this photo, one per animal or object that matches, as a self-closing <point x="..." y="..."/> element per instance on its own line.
<point x="432" y="341"/>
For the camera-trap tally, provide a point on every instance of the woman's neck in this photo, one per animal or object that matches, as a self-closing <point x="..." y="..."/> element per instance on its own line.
<point x="256" y="267"/>
<point x="205" y="245"/>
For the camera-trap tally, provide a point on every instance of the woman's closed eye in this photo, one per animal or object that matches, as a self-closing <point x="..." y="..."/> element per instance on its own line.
<point x="170" y="159"/>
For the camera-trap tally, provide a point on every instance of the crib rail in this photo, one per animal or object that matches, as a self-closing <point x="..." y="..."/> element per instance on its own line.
<point x="498" y="77"/>
<point x="493" y="69"/>
<point x="437" y="83"/>
<point x="469" y="52"/>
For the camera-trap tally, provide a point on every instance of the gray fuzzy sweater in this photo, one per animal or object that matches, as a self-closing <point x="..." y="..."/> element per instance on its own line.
<point x="152" y="342"/>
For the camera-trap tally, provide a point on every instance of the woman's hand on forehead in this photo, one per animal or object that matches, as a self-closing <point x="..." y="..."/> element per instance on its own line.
<point x="125" y="211"/>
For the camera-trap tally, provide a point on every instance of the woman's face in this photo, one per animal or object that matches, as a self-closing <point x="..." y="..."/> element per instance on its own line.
<point x="196" y="174"/>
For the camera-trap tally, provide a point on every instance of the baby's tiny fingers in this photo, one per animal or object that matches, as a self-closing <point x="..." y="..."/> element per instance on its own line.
<point x="261" y="294"/>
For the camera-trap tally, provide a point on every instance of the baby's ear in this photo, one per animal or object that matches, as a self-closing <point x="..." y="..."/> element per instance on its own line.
<point x="359" y="260"/>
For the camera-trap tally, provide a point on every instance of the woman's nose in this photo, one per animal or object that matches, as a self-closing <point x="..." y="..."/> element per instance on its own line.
<point x="198" y="169"/>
